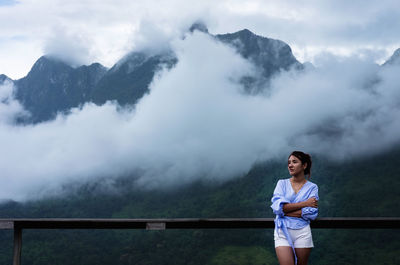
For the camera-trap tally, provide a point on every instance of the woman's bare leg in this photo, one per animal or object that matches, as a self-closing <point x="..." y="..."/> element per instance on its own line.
<point x="285" y="255"/>
<point x="302" y="255"/>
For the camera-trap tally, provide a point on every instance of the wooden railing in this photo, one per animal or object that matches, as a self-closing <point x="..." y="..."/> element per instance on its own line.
<point x="184" y="223"/>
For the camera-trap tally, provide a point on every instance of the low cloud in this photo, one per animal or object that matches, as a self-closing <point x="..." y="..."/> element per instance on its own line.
<point x="196" y="123"/>
<point x="69" y="47"/>
<point x="10" y="108"/>
<point x="350" y="107"/>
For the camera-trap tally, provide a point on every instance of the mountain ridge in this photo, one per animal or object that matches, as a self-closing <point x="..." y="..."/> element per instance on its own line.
<point x="52" y="86"/>
<point x="394" y="59"/>
<point x="4" y="78"/>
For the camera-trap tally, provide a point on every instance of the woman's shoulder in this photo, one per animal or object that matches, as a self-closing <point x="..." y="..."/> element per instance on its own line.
<point x="282" y="181"/>
<point x="312" y="184"/>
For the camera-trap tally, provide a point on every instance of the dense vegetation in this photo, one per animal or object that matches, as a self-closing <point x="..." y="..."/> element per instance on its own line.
<point x="363" y="187"/>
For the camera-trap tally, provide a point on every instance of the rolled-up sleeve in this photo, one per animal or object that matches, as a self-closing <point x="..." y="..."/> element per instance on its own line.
<point x="278" y="199"/>
<point x="310" y="213"/>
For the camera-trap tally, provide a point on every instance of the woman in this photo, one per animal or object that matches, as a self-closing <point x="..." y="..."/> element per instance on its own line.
<point x="295" y="203"/>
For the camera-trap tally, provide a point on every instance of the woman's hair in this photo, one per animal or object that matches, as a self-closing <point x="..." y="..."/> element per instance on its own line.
<point x="304" y="158"/>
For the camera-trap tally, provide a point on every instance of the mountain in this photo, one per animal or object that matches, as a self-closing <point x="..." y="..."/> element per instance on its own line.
<point x="128" y="80"/>
<point x="394" y="59"/>
<point x="270" y="55"/>
<point x="52" y="86"/>
<point x="200" y="26"/>
<point x="4" y="78"/>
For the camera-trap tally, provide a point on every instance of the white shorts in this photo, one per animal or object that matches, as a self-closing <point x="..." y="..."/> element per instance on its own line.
<point x="301" y="238"/>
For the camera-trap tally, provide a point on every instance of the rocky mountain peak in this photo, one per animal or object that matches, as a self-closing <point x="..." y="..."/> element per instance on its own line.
<point x="129" y="62"/>
<point x="200" y="26"/>
<point x="4" y="78"/>
<point x="48" y="66"/>
<point x="394" y="59"/>
<point x="269" y="54"/>
<point x="245" y="33"/>
<point x="54" y="86"/>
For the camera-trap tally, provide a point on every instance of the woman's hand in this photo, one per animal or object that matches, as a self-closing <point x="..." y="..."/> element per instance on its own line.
<point x="291" y="207"/>
<point x="311" y="202"/>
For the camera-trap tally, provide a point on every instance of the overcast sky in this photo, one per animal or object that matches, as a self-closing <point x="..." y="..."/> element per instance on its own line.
<point x="89" y="31"/>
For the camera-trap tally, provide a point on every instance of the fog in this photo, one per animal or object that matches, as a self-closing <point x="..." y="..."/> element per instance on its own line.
<point x="10" y="109"/>
<point x="197" y="123"/>
<point x="70" y="47"/>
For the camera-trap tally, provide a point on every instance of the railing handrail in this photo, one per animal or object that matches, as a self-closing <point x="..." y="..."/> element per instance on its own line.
<point x="191" y="223"/>
<point x="19" y="224"/>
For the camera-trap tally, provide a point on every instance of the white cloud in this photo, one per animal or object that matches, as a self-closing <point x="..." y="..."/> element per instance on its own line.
<point x="73" y="48"/>
<point x="196" y="123"/>
<point x="10" y="108"/>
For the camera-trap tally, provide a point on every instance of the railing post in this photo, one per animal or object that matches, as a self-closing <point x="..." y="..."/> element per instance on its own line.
<point x="17" y="245"/>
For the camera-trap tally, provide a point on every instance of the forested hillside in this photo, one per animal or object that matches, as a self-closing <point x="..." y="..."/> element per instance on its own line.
<point x="362" y="187"/>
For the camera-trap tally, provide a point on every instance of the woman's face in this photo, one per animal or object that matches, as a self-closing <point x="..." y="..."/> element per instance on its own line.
<point x="295" y="166"/>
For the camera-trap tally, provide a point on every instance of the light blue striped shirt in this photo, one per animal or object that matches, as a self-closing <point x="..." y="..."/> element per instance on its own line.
<point x="284" y="193"/>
